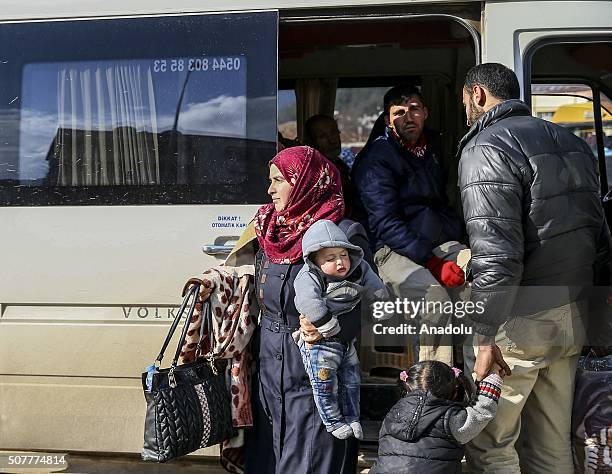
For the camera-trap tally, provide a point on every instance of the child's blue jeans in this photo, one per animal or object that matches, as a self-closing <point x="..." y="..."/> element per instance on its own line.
<point x="333" y="369"/>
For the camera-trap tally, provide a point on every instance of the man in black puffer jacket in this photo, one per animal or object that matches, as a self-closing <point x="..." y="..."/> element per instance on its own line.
<point x="530" y="195"/>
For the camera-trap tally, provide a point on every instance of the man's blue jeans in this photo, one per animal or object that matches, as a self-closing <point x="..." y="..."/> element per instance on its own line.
<point x="333" y="369"/>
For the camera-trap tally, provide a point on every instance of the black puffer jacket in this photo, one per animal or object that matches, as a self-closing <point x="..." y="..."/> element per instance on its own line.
<point x="415" y="437"/>
<point x="530" y="195"/>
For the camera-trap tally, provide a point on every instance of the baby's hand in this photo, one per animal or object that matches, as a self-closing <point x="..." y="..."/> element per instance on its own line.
<point x="309" y="332"/>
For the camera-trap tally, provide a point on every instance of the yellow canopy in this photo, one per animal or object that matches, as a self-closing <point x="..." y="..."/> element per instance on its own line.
<point x="578" y="113"/>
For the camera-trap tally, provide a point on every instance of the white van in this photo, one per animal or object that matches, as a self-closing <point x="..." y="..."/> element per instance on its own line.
<point x="134" y="141"/>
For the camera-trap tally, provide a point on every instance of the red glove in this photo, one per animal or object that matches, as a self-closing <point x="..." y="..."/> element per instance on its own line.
<point x="446" y="272"/>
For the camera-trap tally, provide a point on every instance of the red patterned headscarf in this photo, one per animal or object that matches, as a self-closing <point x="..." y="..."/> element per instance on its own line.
<point x="316" y="194"/>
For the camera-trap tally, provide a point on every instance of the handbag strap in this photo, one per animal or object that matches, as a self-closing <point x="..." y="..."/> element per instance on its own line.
<point x="206" y="323"/>
<point x="185" y="327"/>
<point x="193" y="291"/>
<point x="207" y="320"/>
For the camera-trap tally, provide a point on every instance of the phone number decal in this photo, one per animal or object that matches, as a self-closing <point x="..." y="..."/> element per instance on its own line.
<point x="230" y="63"/>
<point x="33" y="461"/>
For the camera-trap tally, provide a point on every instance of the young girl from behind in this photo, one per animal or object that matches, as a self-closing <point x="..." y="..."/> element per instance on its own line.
<point x="442" y="410"/>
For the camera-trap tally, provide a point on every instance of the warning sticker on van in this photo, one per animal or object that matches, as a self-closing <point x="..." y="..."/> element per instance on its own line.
<point x="228" y="222"/>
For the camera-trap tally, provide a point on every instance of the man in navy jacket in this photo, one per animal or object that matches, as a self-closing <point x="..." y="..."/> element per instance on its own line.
<point x="414" y="233"/>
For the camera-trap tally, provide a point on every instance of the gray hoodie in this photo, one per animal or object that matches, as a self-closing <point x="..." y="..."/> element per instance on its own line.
<point x="321" y="298"/>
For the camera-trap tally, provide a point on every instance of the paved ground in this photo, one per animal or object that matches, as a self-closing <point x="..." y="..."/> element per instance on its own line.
<point x="86" y="464"/>
<point x="90" y="464"/>
<point x="130" y="464"/>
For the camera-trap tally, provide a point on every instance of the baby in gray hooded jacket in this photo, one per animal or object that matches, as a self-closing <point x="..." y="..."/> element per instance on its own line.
<point x="333" y="281"/>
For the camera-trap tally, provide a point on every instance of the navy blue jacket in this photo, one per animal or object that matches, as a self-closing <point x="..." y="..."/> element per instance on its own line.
<point x="405" y="198"/>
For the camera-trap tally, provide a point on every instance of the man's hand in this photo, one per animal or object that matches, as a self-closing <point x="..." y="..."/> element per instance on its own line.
<point x="309" y="332"/>
<point x="447" y="272"/>
<point x="489" y="359"/>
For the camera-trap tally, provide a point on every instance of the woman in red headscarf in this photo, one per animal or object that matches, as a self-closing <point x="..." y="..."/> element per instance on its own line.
<point x="288" y="435"/>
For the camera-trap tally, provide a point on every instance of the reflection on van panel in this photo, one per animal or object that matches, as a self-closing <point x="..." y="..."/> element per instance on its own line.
<point x="127" y="94"/>
<point x="155" y="108"/>
<point x="222" y="168"/>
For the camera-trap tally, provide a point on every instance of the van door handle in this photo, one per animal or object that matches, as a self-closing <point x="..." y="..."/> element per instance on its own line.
<point x="217" y="249"/>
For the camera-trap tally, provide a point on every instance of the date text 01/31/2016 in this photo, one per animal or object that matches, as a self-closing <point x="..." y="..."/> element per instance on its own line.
<point x="230" y="63"/>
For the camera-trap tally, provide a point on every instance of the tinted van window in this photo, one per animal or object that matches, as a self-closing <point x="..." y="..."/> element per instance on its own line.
<point x="137" y="111"/>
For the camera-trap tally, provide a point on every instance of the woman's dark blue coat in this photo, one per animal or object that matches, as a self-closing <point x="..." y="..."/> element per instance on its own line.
<point x="288" y="436"/>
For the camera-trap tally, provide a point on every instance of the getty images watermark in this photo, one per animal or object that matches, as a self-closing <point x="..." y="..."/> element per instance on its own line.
<point x="404" y="316"/>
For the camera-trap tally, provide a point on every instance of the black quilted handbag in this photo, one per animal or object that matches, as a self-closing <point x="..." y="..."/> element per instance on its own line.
<point x="188" y="406"/>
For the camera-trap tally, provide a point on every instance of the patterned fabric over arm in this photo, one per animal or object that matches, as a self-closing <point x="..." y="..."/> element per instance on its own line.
<point x="234" y="321"/>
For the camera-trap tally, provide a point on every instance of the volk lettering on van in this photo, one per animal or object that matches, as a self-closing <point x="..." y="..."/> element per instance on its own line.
<point x="144" y="312"/>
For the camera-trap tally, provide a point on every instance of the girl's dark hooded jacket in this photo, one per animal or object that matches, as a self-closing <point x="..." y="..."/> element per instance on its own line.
<point x="415" y="437"/>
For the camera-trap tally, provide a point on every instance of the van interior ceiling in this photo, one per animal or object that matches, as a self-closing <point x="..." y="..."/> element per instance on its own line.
<point x="319" y="59"/>
<point x="591" y="62"/>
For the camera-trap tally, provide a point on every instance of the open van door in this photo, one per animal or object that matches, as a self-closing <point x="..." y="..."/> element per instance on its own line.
<point x="562" y="54"/>
<point x="126" y="146"/>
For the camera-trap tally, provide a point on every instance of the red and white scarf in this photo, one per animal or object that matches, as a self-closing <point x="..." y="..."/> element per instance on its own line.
<point x="418" y="149"/>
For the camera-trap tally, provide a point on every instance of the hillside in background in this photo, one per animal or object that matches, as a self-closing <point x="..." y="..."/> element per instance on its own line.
<point x="356" y="111"/>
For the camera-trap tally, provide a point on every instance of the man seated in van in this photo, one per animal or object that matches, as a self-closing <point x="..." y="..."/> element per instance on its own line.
<point x="322" y="133"/>
<point x="413" y="231"/>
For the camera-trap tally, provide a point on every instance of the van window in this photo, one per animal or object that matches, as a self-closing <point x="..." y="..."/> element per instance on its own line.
<point x="287" y="114"/>
<point x="575" y="69"/>
<point x="143" y="111"/>
<point x="356" y="110"/>
<point x="571" y="106"/>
